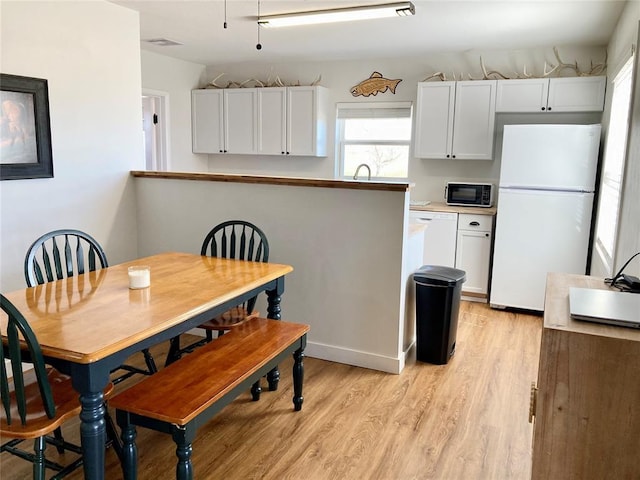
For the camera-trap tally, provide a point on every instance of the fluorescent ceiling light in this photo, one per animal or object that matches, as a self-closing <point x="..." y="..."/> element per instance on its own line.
<point x="366" y="12"/>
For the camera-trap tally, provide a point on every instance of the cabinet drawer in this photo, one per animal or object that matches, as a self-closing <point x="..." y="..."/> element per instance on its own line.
<point x="470" y="221"/>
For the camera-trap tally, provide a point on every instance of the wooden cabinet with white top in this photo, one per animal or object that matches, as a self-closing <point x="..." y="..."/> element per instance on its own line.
<point x="455" y="120"/>
<point x="585" y="403"/>
<point x="566" y="94"/>
<point x="473" y="252"/>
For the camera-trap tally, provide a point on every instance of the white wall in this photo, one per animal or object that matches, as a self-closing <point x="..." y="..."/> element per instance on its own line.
<point x="176" y="78"/>
<point x="346" y="248"/>
<point x="94" y="100"/>
<point x="429" y="176"/>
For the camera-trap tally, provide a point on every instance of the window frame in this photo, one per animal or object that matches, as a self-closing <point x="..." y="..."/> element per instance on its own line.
<point x="341" y="143"/>
<point x="608" y="259"/>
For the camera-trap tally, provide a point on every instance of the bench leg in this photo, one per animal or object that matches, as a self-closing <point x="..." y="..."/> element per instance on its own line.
<point x="183" y="440"/>
<point x="274" y="297"/>
<point x="298" y="376"/>
<point x="129" y="455"/>
<point x="174" y="351"/>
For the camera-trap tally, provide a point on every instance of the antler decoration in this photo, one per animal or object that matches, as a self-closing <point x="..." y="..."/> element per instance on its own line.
<point x="549" y="69"/>
<point x="254" y="82"/>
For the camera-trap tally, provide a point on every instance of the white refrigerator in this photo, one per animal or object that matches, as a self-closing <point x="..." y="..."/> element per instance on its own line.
<point x="545" y="201"/>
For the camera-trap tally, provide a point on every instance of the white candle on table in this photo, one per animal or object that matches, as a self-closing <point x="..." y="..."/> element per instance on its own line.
<point x="139" y="277"/>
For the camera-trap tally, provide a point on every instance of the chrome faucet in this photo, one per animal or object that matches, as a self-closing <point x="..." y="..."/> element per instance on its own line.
<point x="355" y="175"/>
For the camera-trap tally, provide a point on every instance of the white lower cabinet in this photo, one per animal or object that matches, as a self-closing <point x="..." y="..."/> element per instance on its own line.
<point x="473" y="252"/>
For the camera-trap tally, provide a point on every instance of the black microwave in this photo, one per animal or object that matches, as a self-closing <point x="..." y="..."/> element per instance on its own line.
<point x="469" y="194"/>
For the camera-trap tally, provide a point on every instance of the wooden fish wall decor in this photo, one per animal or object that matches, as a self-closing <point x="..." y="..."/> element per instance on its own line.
<point x="373" y="85"/>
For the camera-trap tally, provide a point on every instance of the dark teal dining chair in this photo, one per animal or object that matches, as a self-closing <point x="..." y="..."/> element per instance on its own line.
<point x="235" y="239"/>
<point x="64" y="253"/>
<point x="36" y="398"/>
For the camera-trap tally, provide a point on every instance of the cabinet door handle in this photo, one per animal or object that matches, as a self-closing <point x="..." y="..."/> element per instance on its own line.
<point x="474" y="224"/>
<point x="533" y="401"/>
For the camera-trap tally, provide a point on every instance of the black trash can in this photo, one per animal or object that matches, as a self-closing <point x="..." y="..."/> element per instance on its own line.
<point x="438" y="291"/>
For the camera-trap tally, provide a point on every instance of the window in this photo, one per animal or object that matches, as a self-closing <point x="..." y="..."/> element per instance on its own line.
<point x="375" y="134"/>
<point x="613" y="167"/>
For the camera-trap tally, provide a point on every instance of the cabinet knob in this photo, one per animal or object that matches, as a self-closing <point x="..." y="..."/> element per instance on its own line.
<point x="543" y="108"/>
<point x="549" y="109"/>
<point x="453" y="156"/>
<point x="287" y="153"/>
<point x="486" y="234"/>
<point x="282" y="153"/>
<point x="448" y="155"/>
<point x="221" y="151"/>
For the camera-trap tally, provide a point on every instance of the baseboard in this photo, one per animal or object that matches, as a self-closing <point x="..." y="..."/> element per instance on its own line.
<point x="355" y="357"/>
<point x="347" y="356"/>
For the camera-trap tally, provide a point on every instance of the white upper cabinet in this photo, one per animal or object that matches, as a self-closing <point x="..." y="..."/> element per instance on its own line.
<point x="267" y="121"/>
<point x="224" y="121"/>
<point x="434" y="119"/>
<point x="307" y="121"/>
<point x="241" y="120"/>
<point x="577" y="94"/>
<point x="272" y="121"/>
<point x="473" y="124"/>
<point x="455" y="120"/>
<point x="207" y="121"/>
<point x="567" y="94"/>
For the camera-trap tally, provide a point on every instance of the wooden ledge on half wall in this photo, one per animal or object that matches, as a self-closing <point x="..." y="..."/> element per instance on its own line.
<point x="268" y="180"/>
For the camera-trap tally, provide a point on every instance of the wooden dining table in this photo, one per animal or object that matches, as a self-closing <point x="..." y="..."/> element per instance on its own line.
<point x="89" y="324"/>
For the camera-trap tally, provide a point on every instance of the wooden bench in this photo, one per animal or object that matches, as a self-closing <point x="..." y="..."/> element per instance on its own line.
<point x="186" y="394"/>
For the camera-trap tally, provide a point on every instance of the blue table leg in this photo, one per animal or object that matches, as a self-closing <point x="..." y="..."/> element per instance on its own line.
<point x="92" y="434"/>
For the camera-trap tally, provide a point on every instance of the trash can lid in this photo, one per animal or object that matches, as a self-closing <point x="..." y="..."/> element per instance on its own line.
<point x="439" y="275"/>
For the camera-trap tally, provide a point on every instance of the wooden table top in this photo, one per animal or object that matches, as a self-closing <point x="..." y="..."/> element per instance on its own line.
<point x="88" y="317"/>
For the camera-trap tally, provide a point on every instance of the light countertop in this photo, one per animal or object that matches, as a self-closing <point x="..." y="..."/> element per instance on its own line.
<point x="443" y="207"/>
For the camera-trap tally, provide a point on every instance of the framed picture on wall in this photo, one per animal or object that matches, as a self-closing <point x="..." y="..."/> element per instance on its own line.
<point x="25" y="131"/>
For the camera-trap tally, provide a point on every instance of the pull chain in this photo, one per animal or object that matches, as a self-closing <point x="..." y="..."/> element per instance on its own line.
<point x="225" y="13"/>
<point x="258" y="45"/>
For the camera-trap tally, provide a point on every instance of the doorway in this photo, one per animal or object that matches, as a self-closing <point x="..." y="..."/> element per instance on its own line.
<point x="155" y="127"/>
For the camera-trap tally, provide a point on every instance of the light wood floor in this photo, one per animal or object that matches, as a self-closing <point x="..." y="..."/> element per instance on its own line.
<point x="464" y="420"/>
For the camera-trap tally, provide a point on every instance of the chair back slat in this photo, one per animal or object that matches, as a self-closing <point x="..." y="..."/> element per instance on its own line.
<point x="79" y="259"/>
<point x="45" y="262"/>
<point x="247" y="243"/>
<point x="232" y="244"/>
<point x="57" y="260"/>
<point x="18" y="327"/>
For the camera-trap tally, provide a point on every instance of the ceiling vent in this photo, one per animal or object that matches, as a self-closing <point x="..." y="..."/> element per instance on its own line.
<point x="163" y="42"/>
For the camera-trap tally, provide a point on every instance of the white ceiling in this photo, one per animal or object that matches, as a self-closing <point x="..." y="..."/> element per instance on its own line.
<point x="441" y="26"/>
